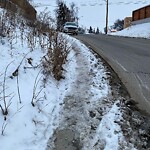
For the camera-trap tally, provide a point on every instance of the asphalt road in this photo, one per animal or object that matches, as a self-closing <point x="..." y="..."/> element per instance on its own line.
<point x="130" y="59"/>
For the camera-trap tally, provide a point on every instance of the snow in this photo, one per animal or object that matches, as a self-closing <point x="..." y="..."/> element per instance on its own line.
<point x="108" y="127"/>
<point x="139" y="30"/>
<point x="29" y="128"/>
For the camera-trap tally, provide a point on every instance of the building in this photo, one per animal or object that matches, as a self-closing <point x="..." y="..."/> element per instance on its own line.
<point x="127" y="22"/>
<point x="141" y="15"/>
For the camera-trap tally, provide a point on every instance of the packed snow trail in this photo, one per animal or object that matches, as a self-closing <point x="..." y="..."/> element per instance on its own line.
<point x="97" y="112"/>
<point x="84" y="106"/>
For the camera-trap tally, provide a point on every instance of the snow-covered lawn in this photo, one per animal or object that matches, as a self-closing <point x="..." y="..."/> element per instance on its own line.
<point x="139" y="31"/>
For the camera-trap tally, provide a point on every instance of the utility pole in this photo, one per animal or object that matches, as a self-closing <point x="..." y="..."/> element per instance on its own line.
<point x="106" y="16"/>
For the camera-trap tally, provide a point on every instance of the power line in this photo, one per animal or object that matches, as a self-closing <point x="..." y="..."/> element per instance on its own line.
<point x="101" y="4"/>
<point x="114" y="3"/>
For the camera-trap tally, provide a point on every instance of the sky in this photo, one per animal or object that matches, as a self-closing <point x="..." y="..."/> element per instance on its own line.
<point x="93" y="12"/>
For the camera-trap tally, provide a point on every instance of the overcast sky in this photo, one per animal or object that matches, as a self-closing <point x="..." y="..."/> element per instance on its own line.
<point x="92" y="12"/>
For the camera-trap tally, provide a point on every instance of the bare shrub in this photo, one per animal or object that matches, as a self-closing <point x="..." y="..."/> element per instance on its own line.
<point x="40" y="33"/>
<point x="44" y="21"/>
<point x="6" y="103"/>
<point x="3" y="128"/>
<point x="16" y="74"/>
<point x="8" y="26"/>
<point x="35" y="95"/>
<point x="56" y="56"/>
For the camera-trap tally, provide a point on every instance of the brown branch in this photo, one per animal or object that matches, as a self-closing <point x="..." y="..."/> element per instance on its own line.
<point x="5" y="111"/>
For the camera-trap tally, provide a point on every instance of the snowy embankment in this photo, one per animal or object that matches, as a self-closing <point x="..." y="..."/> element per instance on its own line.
<point x="139" y="31"/>
<point x="22" y="83"/>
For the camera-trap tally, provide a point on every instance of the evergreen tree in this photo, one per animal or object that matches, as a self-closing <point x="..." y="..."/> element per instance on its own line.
<point x="118" y="25"/>
<point x="97" y="30"/>
<point x="90" y="30"/>
<point x="62" y="14"/>
<point x="65" y="14"/>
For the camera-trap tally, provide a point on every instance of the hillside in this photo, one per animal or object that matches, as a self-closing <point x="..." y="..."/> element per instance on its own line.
<point x="138" y="31"/>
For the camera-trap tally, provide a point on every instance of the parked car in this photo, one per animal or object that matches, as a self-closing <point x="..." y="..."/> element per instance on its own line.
<point x="71" y="28"/>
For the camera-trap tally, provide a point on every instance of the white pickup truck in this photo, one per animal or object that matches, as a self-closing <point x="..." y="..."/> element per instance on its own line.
<point x="71" y="28"/>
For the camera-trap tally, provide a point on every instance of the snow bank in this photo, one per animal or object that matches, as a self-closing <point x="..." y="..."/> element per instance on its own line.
<point x="140" y="30"/>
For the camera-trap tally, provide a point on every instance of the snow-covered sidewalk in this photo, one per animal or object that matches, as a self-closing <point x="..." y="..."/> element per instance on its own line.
<point x="89" y="110"/>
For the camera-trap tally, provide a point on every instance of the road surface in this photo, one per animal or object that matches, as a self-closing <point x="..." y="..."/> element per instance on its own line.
<point x="130" y="59"/>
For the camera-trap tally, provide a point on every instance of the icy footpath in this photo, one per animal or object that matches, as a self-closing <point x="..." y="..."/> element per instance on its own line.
<point x="89" y="110"/>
